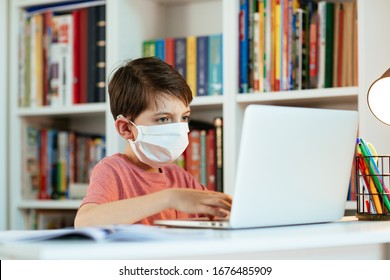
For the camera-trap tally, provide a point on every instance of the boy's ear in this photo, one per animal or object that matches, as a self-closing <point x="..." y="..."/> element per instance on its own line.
<point x="123" y="128"/>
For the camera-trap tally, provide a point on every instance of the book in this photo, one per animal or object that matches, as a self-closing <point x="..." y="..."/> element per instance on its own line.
<point x="160" y="48"/>
<point x="329" y="34"/>
<point x="149" y="48"/>
<point x="202" y="65"/>
<point x="170" y="51"/>
<point x="101" y="54"/>
<point x="181" y="56"/>
<point x="218" y="123"/>
<point x="76" y="56"/>
<point x="191" y="64"/>
<point x="91" y="55"/>
<point x="215" y="65"/>
<point x="193" y="154"/>
<point x="211" y="168"/>
<point x="244" y="46"/>
<point x="135" y="232"/>
<point x="83" y="56"/>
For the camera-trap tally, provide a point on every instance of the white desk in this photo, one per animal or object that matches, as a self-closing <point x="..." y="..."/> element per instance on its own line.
<point x="340" y="240"/>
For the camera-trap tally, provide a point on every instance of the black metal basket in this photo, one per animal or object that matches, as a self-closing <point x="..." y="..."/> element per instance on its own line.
<point x="372" y="187"/>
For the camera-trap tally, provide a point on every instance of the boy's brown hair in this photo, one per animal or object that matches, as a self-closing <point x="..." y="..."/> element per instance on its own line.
<point x="135" y="85"/>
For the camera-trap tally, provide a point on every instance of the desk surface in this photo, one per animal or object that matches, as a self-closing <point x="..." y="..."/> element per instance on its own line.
<point x="347" y="239"/>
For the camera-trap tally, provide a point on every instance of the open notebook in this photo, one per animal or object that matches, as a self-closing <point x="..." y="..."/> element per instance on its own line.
<point x="294" y="167"/>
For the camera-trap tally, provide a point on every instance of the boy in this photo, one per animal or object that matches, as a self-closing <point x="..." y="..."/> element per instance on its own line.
<point x="149" y="101"/>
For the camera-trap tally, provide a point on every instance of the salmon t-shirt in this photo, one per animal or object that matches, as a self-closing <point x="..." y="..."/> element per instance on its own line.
<point x="116" y="177"/>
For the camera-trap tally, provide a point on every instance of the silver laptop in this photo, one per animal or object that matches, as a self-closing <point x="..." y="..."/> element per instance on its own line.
<point x="294" y="167"/>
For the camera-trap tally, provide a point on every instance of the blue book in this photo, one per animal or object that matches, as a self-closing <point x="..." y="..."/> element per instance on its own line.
<point x="181" y="56"/>
<point x="202" y="65"/>
<point x="160" y="48"/>
<point x="215" y="65"/>
<point x="244" y="46"/>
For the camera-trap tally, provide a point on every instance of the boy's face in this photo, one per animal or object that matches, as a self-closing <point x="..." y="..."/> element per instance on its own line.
<point x="167" y="109"/>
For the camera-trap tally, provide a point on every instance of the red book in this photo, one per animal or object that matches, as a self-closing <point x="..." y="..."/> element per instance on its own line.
<point x="193" y="154"/>
<point x="170" y="51"/>
<point x="210" y="148"/>
<point x="83" y="61"/>
<point x="76" y="56"/>
<point x="47" y="18"/>
<point x="43" y="162"/>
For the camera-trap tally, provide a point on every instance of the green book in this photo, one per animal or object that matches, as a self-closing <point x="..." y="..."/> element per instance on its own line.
<point x="329" y="35"/>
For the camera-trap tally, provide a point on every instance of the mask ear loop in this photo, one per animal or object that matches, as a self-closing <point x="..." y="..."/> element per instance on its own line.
<point x="121" y="116"/>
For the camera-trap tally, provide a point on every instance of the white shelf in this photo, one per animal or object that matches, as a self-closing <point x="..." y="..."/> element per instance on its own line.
<point x="50" y="204"/>
<point x="207" y="101"/>
<point x="333" y="95"/>
<point x="76" y="109"/>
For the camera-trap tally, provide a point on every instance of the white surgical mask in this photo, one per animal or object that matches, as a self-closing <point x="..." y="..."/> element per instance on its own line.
<point x="157" y="145"/>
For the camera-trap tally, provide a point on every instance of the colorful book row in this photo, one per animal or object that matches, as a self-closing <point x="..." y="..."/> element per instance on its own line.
<point x="292" y="45"/>
<point x="54" y="160"/>
<point x="197" y="58"/>
<point x="203" y="158"/>
<point x="62" y="57"/>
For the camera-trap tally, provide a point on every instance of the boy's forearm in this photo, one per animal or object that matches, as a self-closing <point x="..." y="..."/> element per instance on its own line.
<point x="127" y="211"/>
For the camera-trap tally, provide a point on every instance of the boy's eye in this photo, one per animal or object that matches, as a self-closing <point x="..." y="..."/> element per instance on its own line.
<point x="185" y="118"/>
<point x="163" y="120"/>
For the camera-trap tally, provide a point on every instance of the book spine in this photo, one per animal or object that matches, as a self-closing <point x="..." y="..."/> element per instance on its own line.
<point x="101" y="53"/>
<point x="256" y="52"/>
<point x="83" y="50"/>
<point x="76" y="56"/>
<point x="91" y="55"/>
<point x="329" y="33"/>
<point x="215" y="65"/>
<point x="210" y="148"/>
<point x="202" y="65"/>
<point x="31" y="163"/>
<point x="170" y="51"/>
<point x="149" y="48"/>
<point x="244" y="45"/>
<point x="218" y="123"/>
<point x="203" y="158"/>
<point x="191" y="64"/>
<point x="321" y="43"/>
<point x="313" y="56"/>
<point x="194" y="156"/>
<point x="160" y="48"/>
<point x="181" y="56"/>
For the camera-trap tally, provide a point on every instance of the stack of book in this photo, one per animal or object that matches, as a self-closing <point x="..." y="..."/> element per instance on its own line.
<point x="62" y="54"/>
<point x="55" y="159"/>
<point x="203" y="158"/>
<point x="197" y="58"/>
<point x="292" y="45"/>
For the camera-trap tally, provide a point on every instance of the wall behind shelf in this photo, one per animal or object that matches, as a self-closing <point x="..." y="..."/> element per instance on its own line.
<point x="3" y="114"/>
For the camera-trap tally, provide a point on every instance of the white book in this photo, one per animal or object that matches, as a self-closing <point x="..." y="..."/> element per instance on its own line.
<point x="321" y="43"/>
<point x="61" y="61"/>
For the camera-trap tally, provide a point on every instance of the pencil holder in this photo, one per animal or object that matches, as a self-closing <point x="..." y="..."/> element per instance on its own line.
<point x="372" y="187"/>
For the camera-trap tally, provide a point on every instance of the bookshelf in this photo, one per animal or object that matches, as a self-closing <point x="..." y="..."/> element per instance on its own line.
<point x="4" y="113"/>
<point x="125" y="32"/>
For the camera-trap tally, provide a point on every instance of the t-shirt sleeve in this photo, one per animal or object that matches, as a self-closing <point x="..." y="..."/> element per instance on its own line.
<point x="103" y="185"/>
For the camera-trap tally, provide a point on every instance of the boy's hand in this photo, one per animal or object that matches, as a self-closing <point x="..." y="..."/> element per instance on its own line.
<point x="200" y="202"/>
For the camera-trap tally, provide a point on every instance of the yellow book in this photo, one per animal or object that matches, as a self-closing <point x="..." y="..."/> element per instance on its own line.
<point x="191" y="63"/>
<point x="261" y="46"/>
<point x="37" y="90"/>
<point x="277" y="46"/>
